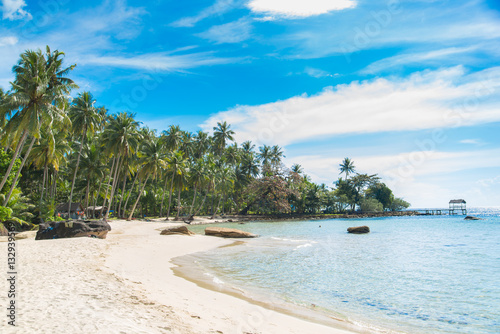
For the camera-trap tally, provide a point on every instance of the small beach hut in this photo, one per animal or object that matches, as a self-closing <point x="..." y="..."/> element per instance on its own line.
<point x="457" y="205"/>
<point x="95" y="211"/>
<point x="75" y="212"/>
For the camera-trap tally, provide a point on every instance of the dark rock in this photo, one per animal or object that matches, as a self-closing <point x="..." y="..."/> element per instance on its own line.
<point x="177" y="230"/>
<point x="472" y="218"/>
<point x="73" y="229"/>
<point x="359" y="229"/>
<point x="225" y="232"/>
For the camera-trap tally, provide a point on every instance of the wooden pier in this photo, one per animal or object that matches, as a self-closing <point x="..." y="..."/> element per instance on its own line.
<point x="435" y="212"/>
<point x="457" y="206"/>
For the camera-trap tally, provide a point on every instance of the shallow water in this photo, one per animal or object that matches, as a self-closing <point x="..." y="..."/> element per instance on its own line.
<point x="427" y="274"/>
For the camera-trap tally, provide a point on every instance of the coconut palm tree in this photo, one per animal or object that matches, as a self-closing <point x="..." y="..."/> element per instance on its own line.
<point x="347" y="167"/>
<point x="39" y="87"/>
<point x="172" y="140"/>
<point x="222" y="134"/>
<point x="50" y="151"/>
<point x="122" y="138"/>
<point x="85" y="119"/>
<point x="177" y="164"/>
<point x="152" y="162"/>
<point x="265" y="155"/>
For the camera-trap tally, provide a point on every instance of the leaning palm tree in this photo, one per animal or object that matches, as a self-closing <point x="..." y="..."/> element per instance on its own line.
<point x="85" y="119"/>
<point x="152" y="162"/>
<point x="39" y="87"/>
<point x="347" y="167"/>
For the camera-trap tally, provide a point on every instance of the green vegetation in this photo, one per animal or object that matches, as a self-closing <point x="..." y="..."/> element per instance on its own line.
<point x="55" y="149"/>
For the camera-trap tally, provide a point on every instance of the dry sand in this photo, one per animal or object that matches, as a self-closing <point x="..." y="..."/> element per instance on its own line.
<point x="125" y="284"/>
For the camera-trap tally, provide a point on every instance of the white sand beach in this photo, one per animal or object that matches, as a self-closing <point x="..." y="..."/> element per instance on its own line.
<point x="125" y="284"/>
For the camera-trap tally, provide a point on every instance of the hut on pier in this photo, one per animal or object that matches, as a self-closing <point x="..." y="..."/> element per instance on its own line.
<point x="456" y="206"/>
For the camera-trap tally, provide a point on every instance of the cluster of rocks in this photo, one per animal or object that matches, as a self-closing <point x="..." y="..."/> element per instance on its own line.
<point x="73" y="229"/>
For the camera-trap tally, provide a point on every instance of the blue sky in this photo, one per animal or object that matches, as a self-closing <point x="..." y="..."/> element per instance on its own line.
<point x="407" y="89"/>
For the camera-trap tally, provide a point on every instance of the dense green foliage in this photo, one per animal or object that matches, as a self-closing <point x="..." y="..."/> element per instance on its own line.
<point x="71" y="150"/>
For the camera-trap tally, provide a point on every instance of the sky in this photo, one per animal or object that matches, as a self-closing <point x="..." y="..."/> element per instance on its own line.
<point x="406" y="89"/>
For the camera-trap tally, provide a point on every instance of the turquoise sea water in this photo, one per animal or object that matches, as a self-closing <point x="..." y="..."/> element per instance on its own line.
<point x="426" y="274"/>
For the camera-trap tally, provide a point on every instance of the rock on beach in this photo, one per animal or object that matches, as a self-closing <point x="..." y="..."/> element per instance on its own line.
<point x="225" y="232"/>
<point x="73" y="229"/>
<point x="177" y="230"/>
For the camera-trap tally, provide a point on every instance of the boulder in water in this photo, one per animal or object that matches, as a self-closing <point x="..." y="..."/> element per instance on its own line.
<point x="359" y="229"/>
<point x="73" y="229"/>
<point x="472" y="218"/>
<point x="225" y="232"/>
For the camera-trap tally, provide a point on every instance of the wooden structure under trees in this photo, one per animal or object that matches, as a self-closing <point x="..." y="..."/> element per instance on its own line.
<point x="457" y="205"/>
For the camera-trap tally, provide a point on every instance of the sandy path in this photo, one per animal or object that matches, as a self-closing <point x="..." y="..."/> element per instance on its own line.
<point x="124" y="284"/>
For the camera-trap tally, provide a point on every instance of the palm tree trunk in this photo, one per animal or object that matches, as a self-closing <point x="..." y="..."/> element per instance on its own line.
<point x="87" y="197"/>
<point x="95" y="199"/>
<point x="107" y="186"/>
<point x="19" y="146"/>
<point x="216" y="209"/>
<point x="54" y="184"/>
<point x="178" y="204"/>
<point x="163" y="196"/>
<point x="19" y="172"/>
<point x="130" y="193"/>
<point x="123" y="194"/>
<point x="170" y="196"/>
<point x="113" y="187"/>
<point x="138" y="198"/>
<point x="194" y="199"/>
<point x="43" y="182"/>
<point x="201" y="205"/>
<point x="76" y="171"/>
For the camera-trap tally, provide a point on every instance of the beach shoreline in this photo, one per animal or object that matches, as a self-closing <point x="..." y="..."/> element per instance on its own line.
<point x="125" y="283"/>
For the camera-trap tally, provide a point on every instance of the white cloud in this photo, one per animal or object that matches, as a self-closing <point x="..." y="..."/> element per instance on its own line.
<point x="13" y="10"/>
<point x="218" y="8"/>
<point x="8" y="40"/>
<point x="424" y="100"/>
<point x="471" y="141"/>
<point x="160" y="61"/>
<point x="298" y="8"/>
<point x="428" y="57"/>
<point x="317" y="73"/>
<point x="232" y="32"/>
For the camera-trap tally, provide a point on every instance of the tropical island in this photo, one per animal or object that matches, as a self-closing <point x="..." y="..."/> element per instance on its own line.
<point x="60" y="146"/>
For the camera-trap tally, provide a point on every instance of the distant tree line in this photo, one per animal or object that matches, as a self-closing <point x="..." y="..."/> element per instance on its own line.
<point x="57" y="149"/>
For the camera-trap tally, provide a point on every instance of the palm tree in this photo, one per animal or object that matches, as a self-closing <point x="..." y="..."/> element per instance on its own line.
<point x="152" y="162"/>
<point x="92" y="167"/>
<point x="50" y="151"/>
<point x="177" y="165"/>
<point x="121" y="137"/>
<point x="296" y="168"/>
<point x="86" y="119"/>
<point x="222" y="134"/>
<point x="172" y="140"/>
<point x="37" y="91"/>
<point x="265" y="155"/>
<point x="276" y="155"/>
<point x="347" y="167"/>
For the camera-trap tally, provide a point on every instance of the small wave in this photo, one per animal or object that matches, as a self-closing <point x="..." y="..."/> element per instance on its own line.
<point x="304" y="246"/>
<point x="214" y="278"/>
<point x="294" y="240"/>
